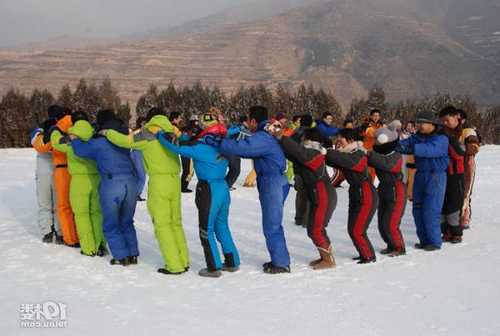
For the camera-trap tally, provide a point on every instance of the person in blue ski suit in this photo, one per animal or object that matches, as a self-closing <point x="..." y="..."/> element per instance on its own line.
<point x="325" y="126"/>
<point x="212" y="199"/>
<point x="117" y="189"/>
<point x="430" y="149"/>
<point x="272" y="184"/>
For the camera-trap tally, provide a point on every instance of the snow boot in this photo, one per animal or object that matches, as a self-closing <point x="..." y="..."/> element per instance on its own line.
<point x="123" y="262"/>
<point x="387" y="251"/>
<point x="327" y="259"/>
<point x="230" y="269"/>
<point x="431" y="248"/>
<point x="397" y="253"/>
<point x="167" y="272"/>
<point x="366" y="261"/>
<point x="210" y="274"/>
<point x="419" y="246"/>
<point x="133" y="260"/>
<point x="48" y="238"/>
<point x="59" y="239"/>
<point x="269" y="268"/>
<point x="102" y="251"/>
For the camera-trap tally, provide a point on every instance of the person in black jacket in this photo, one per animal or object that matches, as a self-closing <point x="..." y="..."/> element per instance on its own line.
<point x="351" y="158"/>
<point x="308" y="158"/>
<point x="388" y="165"/>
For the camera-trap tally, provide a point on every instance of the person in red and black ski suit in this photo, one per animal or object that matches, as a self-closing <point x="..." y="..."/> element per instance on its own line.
<point x="351" y="158"/>
<point x="388" y="165"/>
<point x="451" y="214"/>
<point x="308" y="158"/>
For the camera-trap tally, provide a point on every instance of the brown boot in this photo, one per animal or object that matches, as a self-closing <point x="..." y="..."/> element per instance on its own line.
<point x="327" y="259"/>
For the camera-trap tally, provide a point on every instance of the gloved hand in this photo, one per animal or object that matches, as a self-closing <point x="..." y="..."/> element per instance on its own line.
<point x="213" y="141"/>
<point x="46" y="135"/>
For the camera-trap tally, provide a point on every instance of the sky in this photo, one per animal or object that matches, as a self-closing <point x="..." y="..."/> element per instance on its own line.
<point x="25" y="21"/>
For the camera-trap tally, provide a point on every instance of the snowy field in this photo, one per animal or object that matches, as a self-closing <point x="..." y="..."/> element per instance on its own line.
<point x="455" y="291"/>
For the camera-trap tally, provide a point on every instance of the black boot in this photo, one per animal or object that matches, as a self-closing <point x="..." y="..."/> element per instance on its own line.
<point x="48" y="238"/>
<point x="366" y="261"/>
<point x="387" y="251"/>
<point x="59" y="239"/>
<point x="123" y="262"/>
<point x="430" y="248"/>
<point x="133" y="260"/>
<point x="102" y="251"/>
<point x="419" y="246"/>
<point x="269" y="268"/>
<point x="166" y="271"/>
<point x="76" y="245"/>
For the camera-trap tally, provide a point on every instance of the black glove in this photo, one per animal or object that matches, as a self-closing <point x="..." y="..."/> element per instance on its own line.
<point x="47" y="125"/>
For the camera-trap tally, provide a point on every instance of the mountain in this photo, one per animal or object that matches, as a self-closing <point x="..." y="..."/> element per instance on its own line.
<point x="411" y="48"/>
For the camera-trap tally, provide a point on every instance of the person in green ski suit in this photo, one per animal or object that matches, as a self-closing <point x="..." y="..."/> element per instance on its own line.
<point x="84" y="188"/>
<point x="164" y="189"/>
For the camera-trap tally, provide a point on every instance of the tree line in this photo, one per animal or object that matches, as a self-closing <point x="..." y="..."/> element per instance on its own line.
<point x="20" y="113"/>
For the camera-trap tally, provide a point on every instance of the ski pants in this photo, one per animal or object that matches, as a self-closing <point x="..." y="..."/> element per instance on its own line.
<point x="322" y="208"/>
<point x="428" y="196"/>
<point x="212" y="201"/>
<point x="84" y="198"/>
<point x="118" y="197"/>
<point x="273" y="191"/>
<point x="46" y="199"/>
<point x="391" y="208"/>
<point x="453" y="205"/>
<point x="164" y="206"/>
<point x="363" y="202"/>
<point x="62" y="181"/>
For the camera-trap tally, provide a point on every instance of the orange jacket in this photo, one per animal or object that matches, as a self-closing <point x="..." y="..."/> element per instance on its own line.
<point x="59" y="158"/>
<point x="369" y="140"/>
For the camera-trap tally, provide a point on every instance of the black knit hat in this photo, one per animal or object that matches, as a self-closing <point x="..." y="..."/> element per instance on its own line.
<point x="57" y="112"/>
<point x="313" y="134"/>
<point x="104" y="116"/>
<point x="427" y="117"/>
<point x="79" y="115"/>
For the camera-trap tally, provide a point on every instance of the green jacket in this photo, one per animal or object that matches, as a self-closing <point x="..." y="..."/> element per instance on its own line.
<point x="76" y="165"/>
<point x="157" y="159"/>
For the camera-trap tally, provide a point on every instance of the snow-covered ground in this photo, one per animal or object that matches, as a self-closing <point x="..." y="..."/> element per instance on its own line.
<point x="455" y="291"/>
